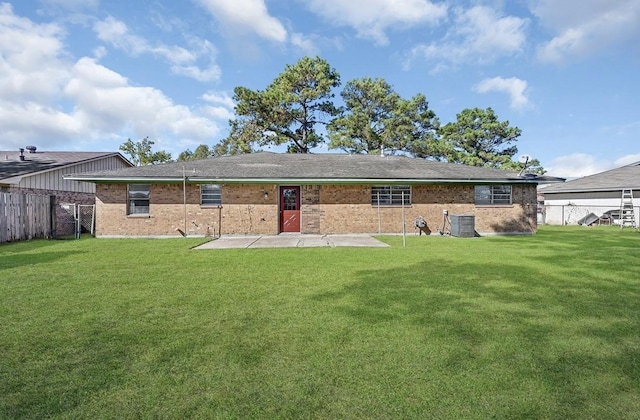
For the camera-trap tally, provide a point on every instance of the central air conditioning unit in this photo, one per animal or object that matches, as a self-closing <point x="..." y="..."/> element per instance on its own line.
<point x="463" y="225"/>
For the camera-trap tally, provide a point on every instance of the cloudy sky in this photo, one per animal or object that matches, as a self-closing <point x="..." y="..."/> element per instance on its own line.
<point x="89" y="74"/>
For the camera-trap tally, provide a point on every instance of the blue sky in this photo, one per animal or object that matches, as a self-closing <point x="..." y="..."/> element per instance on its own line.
<point x="88" y="74"/>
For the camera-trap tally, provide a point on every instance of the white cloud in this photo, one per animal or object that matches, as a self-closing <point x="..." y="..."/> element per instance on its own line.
<point x="513" y="86"/>
<point x="577" y="165"/>
<point x="35" y="123"/>
<point x="183" y="61"/>
<point x="477" y="35"/>
<point x="96" y="76"/>
<point x="222" y="107"/>
<point x="105" y="101"/>
<point x="197" y="73"/>
<point x="167" y="23"/>
<point x="115" y="31"/>
<point x="99" y="103"/>
<point x="202" y="48"/>
<point x="33" y="72"/>
<point x="626" y="160"/>
<point x="304" y="44"/>
<point x="218" y="112"/>
<point x="372" y="19"/>
<point x="584" y="27"/>
<point x="220" y="98"/>
<point x="99" y="52"/>
<point x="246" y="16"/>
<point x="31" y="62"/>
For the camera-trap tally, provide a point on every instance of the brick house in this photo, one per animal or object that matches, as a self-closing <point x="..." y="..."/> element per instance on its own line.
<point x="269" y="193"/>
<point x="30" y="171"/>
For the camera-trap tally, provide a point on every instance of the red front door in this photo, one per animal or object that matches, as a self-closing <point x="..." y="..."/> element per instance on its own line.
<point x="289" y="209"/>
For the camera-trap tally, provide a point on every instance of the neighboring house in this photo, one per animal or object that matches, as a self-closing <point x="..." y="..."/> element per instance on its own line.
<point x="269" y="193"/>
<point x="600" y="194"/>
<point x="35" y="172"/>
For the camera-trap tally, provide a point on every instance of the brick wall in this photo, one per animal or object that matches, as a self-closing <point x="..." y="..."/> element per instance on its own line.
<point x="253" y="209"/>
<point x="245" y="210"/>
<point x="311" y="213"/>
<point x="348" y="208"/>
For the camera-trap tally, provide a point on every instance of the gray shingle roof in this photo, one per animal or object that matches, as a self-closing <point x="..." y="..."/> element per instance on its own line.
<point x="11" y="166"/>
<point x="266" y="167"/>
<point x="614" y="180"/>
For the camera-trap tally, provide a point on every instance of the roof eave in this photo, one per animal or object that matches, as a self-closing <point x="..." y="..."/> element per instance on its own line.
<point x="587" y="190"/>
<point x="124" y="180"/>
<point x="300" y="181"/>
<point x="328" y="181"/>
<point x="14" y="180"/>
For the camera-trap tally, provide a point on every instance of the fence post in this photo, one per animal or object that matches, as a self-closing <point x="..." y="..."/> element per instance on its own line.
<point x="52" y="217"/>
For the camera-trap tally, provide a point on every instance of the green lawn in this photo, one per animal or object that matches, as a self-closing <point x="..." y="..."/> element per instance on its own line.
<point x="544" y="326"/>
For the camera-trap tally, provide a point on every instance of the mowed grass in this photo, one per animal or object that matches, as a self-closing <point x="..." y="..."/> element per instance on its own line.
<point x="544" y="326"/>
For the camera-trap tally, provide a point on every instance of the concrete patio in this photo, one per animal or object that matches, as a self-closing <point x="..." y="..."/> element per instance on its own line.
<point x="292" y="241"/>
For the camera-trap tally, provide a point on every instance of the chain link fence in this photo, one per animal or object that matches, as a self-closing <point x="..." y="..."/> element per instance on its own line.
<point x="75" y="219"/>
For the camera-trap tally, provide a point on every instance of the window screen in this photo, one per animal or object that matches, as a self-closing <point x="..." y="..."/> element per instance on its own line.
<point x="210" y="195"/>
<point x="138" y="201"/>
<point x="390" y="195"/>
<point x="492" y="194"/>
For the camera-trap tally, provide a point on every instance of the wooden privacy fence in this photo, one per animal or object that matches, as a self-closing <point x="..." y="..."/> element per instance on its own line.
<point x="25" y="216"/>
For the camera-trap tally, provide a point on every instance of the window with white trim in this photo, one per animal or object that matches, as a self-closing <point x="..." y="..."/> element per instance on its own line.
<point x="138" y="198"/>
<point x="390" y="195"/>
<point x="492" y="195"/>
<point x="210" y="195"/>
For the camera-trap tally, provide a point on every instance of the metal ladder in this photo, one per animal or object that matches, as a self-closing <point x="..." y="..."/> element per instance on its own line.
<point x="627" y="214"/>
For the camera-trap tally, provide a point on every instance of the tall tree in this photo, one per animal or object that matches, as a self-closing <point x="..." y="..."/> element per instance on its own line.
<point x="201" y="152"/>
<point x="478" y="138"/>
<point x="244" y="133"/>
<point x="369" y="107"/>
<point x="377" y="118"/>
<point x="140" y="153"/>
<point x="287" y="111"/>
<point x="531" y="166"/>
<point x="418" y="127"/>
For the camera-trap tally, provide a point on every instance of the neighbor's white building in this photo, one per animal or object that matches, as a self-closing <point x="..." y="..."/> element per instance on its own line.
<point x="600" y="194"/>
